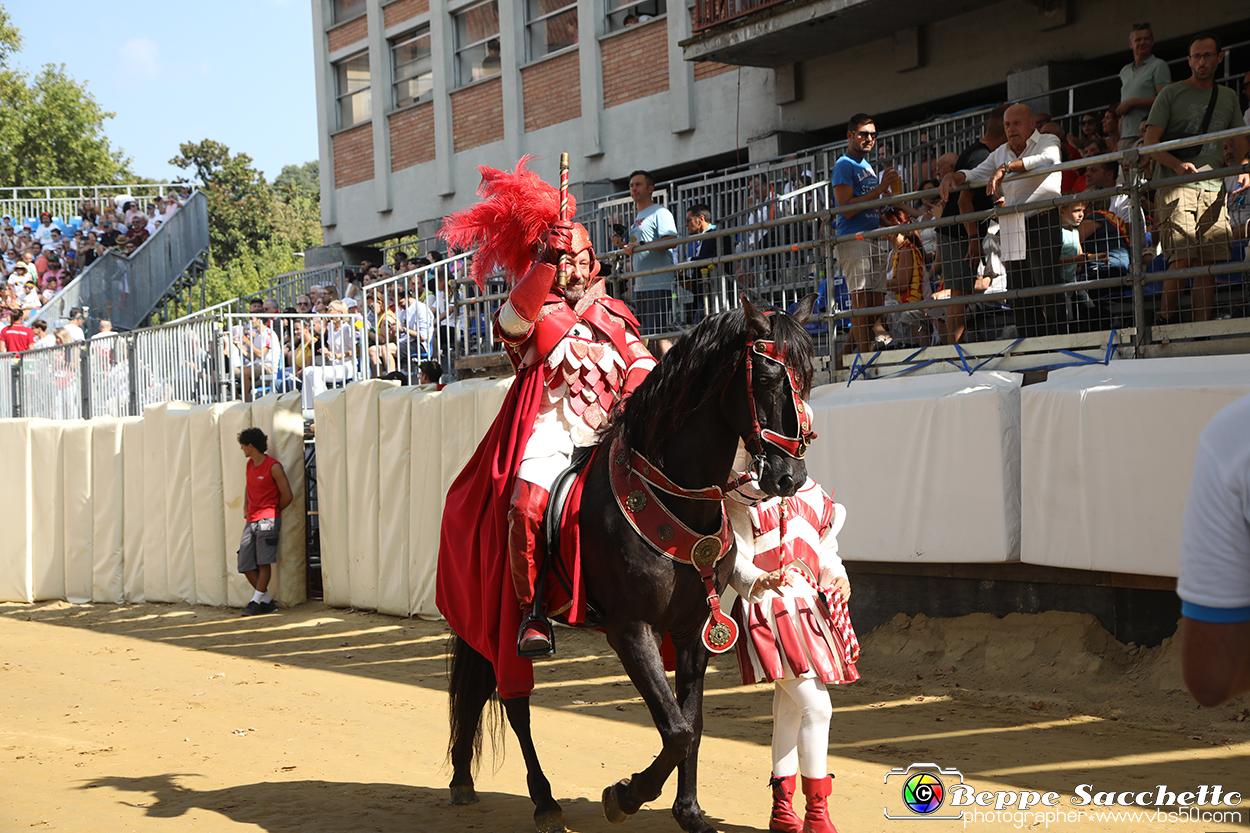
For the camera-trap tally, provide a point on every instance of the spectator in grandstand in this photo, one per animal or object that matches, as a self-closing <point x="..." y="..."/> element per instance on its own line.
<point x="91" y="249"/>
<point x="418" y="324"/>
<point x="697" y="280"/>
<point x="959" y="244"/>
<point x="89" y="213"/>
<point x="269" y="306"/>
<point x="63" y="336"/>
<point x="17" y="337"/>
<point x="1141" y="81"/>
<point x="43" y="232"/>
<point x="1040" y="119"/>
<point x="1091" y="131"/>
<point x="104" y="329"/>
<point x="431" y="372"/>
<point x="73" y="324"/>
<point x="338" y="352"/>
<point x="1237" y="197"/>
<point x="303" y="305"/>
<point x="53" y="271"/>
<point x="42" y="337"/>
<point x="108" y="236"/>
<point x="1071" y="178"/>
<point x="1111" y="128"/>
<point x="445" y="305"/>
<point x="30" y="296"/>
<point x="861" y="261"/>
<point x="1030" y="241"/>
<point x="653" y="294"/>
<point x="1193" y="223"/>
<point x="383" y="340"/>
<point x="255" y="354"/>
<point x="136" y="235"/>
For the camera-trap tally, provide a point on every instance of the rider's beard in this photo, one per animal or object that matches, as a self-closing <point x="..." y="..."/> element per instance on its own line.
<point x="574" y="291"/>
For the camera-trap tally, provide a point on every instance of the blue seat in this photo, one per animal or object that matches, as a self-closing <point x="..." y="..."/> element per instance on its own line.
<point x="816" y="325"/>
<point x="1239" y="258"/>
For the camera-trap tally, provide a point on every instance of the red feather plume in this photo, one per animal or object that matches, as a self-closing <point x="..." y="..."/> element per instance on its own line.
<point x="516" y="211"/>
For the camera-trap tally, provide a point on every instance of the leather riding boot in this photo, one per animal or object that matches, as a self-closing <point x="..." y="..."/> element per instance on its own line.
<point x="816" y="816"/>
<point x="526" y="542"/>
<point x="783" y="818"/>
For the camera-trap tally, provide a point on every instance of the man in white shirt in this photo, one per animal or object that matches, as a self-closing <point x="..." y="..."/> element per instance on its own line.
<point x="74" y="325"/>
<point x="1032" y="240"/>
<point x="43" y="233"/>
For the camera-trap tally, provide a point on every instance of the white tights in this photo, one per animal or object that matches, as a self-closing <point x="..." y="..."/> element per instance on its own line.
<point x="801" y="714"/>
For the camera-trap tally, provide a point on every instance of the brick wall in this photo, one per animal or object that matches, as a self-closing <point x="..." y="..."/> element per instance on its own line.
<point x="353" y="155"/>
<point x="635" y="64"/>
<point x="349" y="33"/>
<point x="707" y="69"/>
<point x="401" y="10"/>
<point x="552" y="92"/>
<point x="477" y="115"/>
<point x="412" y="136"/>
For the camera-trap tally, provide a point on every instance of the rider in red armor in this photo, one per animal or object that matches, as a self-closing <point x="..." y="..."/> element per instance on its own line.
<point x="587" y="348"/>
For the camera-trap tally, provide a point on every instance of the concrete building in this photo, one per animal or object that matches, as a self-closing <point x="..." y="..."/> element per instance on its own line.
<point x="413" y="95"/>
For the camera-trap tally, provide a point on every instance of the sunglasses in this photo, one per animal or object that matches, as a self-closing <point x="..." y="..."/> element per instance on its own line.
<point x="866" y="134"/>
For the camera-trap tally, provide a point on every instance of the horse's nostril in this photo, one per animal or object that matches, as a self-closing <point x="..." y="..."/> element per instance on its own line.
<point x="785" y="482"/>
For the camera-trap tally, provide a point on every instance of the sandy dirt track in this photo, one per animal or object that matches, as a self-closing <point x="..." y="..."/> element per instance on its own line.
<point x="171" y="717"/>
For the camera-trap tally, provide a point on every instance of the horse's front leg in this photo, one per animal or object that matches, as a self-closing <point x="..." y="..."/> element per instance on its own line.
<point x="691" y="667"/>
<point x="639" y="651"/>
<point x="548" y="817"/>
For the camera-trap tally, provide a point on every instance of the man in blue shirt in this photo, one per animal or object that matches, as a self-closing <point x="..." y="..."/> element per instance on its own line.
<point x="653" y="294"/>
<point x="861" y="261"/>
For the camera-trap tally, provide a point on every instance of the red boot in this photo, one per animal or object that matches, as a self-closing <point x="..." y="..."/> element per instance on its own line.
<point x="783" y="818"/>
<point x="816" y="816"/>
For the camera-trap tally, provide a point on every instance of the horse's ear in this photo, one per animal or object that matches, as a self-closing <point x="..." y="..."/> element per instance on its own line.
<point x="803" y="311"/>
<point x="757" y="322"/>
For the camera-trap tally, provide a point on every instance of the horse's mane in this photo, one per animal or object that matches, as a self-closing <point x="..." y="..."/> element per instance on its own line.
<point x="696" y="368"/>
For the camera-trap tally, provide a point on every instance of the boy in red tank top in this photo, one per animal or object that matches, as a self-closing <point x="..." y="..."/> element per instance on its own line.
<point x="268" y="492"/>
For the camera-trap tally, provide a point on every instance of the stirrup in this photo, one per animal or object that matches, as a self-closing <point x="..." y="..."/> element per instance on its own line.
<point x="543" y="624"/>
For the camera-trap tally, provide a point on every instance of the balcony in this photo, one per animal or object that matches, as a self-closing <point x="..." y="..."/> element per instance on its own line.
<point x="774" y="33"/>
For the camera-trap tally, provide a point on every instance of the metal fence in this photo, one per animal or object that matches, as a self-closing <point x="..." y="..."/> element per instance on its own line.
<point x="1114" y="280"/>
<point x="64" y="202"/>
<point x="285" y="288"/>
<point x="126" y="289"/>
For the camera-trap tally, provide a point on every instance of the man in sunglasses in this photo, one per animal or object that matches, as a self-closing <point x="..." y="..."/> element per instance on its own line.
<point x="1141" y="80"/>
<point x="861" y="261"/>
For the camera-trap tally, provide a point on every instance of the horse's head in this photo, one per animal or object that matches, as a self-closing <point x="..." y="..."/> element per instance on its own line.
<point x="779" y="366"/>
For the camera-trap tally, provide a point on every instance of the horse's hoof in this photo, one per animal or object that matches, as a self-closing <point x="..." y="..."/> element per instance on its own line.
<point x="549" y="821"/>
<point x="463" y="794"/>
<point x="611" y="805"/>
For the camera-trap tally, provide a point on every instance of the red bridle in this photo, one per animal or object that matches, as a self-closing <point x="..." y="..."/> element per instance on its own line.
<point x="794" y="447"/>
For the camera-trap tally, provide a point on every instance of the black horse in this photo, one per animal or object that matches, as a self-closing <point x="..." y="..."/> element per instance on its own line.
<point x="686" y="418"/>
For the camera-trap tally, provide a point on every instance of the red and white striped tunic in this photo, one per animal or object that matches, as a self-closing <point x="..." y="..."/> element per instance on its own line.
<point x="789" y="634"/>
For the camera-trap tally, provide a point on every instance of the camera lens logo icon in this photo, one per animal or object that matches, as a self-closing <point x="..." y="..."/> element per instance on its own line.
<point x="923" y="793"/>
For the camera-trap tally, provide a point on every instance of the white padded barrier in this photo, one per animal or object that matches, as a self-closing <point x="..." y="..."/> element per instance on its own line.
<point x="362" y="490"/>
<point x="134" y="501"/>
<point x="426" y="496"/>
<point x="48" y="531"/>
<point x="78" y="518"/>
<point x="1107" y="456"/>
<point x="155" y="474"/>
<point x="234" y="418"/>
<point x="207" y="507"/>
<point x="179" y="546"/>
<point x="281" y="418"/>
<point x="394" y="454"/>
<point x="16" y="581"/>
<point x="927" y="467"/>
<point x="108" y="509"/>
<point x="330" y="410"/>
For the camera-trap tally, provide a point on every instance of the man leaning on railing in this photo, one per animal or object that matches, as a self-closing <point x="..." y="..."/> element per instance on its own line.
<point x="1193" y="224"/>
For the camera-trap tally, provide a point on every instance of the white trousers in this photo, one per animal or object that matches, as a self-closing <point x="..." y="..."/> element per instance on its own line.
<point x="317" y="379"/>
<point x="801" y="714"/>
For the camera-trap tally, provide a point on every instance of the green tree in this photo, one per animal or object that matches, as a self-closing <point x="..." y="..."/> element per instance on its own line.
<point x="51" y="127"/>
<point x="240" y="206"/>
<point x="299" y="180"/>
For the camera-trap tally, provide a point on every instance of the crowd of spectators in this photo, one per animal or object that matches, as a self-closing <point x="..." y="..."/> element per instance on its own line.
<point x="40" y="256"/>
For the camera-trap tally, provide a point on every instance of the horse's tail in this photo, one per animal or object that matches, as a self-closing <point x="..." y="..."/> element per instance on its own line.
<point x="471" y="686"/>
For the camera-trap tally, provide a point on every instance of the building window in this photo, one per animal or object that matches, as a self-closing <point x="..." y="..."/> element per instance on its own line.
<point x="624" y="13"/>
<point x="347" y="9"/>
<point x="550" y="25"/>
<point x="477" y="42"/>
<point x="355" y="101"/>
<point x="412" y="67"/>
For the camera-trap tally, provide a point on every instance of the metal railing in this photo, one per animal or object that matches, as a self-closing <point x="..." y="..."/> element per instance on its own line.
<point x="63" y="202"/>
<point x="445" y="317"/>
<point x="709" y="13"/>
<point x="126" y="288"/>
<point x="288" y="286"/>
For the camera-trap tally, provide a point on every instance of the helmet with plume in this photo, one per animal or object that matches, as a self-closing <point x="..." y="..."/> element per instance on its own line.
<point x="512" y="219"/>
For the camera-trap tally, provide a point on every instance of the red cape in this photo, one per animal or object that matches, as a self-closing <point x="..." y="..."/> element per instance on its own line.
<point x="474" y="588"/>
